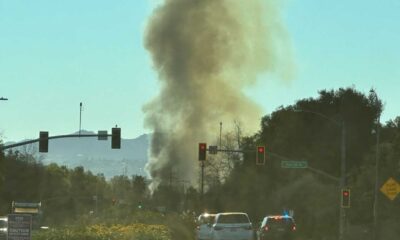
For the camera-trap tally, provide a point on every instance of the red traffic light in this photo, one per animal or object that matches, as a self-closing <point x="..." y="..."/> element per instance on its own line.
<point x="345" y="199"/>
<point x="202" y="151"/>
<point x="261" y="149"/>
<point x="260" y="155"/>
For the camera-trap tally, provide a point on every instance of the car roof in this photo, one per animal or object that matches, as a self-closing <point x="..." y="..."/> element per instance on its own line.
<point x="232" y="213"/>
<point x="278" y="217"/>
<point x="207" y="215"/>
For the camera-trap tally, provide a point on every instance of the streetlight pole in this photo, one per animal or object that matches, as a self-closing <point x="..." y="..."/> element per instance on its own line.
<point x="220" y="135"/>
<point x="375" y="210"/>
<point x="80" y="118"/>
<point x="342" y="182"/>
<point x="342" y="216"/>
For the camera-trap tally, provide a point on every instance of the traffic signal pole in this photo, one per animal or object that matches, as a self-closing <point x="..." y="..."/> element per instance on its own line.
<point x="202" y="158"/>
<point x="52" y="137"/>
<point x="202" y="180"/>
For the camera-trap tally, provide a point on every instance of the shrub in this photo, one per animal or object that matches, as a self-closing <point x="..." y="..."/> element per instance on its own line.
<point x="107" y="232"/>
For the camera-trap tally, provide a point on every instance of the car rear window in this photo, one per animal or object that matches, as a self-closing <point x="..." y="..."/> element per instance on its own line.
<point x="233" y="218"/>
<point x="280" y="222"/>
<point x="3" y="223"/>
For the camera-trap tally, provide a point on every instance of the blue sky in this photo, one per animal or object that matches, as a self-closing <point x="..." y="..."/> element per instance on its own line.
<point x="55" y="54"/>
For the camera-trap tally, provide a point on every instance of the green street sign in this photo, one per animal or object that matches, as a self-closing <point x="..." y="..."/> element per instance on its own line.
<point x="294" y="164"/>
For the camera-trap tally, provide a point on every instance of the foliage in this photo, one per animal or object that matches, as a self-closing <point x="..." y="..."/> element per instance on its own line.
<point x="107" y="232"/>
<point x="311" y="130"/>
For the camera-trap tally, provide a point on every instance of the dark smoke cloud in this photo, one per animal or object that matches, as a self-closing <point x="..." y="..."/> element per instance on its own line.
<point x="205" y="52"/>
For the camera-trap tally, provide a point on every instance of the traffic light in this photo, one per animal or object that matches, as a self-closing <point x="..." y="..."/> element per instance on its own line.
<point x="202" y="151"/>
<point x="260" y="156"/>
<point x="345" y="199"/>
<point x="43" y="141"/>
<point x="116" y="138"/>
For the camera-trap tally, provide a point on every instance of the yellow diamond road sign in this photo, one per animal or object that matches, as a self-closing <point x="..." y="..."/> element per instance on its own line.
<point x="391" y="188"/>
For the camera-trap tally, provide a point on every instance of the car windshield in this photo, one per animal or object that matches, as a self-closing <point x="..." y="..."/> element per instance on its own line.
<point x="233" y="218"/>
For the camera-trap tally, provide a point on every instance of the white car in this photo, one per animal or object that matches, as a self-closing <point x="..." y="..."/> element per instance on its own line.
<point x="3" y="228"/>
<point x="232" y="226"/>
<point x="204" y="223"/>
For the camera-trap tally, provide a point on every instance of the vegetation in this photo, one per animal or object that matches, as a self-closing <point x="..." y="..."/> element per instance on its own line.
<point x="308" y="130"/>
<point x="311" y="130"/>
<point x="104" y="232"/>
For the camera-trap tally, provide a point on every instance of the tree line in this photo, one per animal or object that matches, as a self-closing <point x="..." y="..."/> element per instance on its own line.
<point x="309" y="130"/>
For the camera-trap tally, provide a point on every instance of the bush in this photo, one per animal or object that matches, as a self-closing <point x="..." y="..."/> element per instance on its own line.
<point x="107" y="232"/>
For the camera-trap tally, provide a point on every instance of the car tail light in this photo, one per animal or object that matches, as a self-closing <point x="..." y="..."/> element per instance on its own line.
<point x="294" y="228"/>
<point x="247" y="227"/>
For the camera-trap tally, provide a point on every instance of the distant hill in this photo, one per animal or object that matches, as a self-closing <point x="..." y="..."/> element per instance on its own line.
<point x="97" y="156"/>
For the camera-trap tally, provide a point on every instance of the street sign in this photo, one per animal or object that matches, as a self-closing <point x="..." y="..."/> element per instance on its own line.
<point x="294" y="164"/>
<point x="19" y="227"/>
<point x="391" y="188"/>
<point x="213" y="149"/>
<point x="102" y="135"/>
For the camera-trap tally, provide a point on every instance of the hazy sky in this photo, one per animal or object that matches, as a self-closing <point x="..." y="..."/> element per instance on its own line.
<point x="56" y="54"/>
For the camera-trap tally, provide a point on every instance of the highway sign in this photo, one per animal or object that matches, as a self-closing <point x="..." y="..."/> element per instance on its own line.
<point x="294" y="164"/>
<point x="102" y="135"/>
<point x="19" y="227"/>
<point x="213" y="149"/>
<point x="391" y="188"/>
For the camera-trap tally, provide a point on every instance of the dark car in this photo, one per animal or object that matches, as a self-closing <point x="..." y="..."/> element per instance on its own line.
<point x="276" y="227"/>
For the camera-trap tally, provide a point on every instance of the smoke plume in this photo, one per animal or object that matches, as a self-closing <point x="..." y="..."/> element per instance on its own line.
<point x="206" y="52"/>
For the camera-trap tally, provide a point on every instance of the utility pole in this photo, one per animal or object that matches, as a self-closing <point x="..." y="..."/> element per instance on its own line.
<point x="342" y="220"/>
<point x="375" y="208"/>
<point x="220" y="135"/>
<point x="96" y="198"/>
<point x="80" y="117"/>
<point x="376" y="181"/>
<point x="170" y="177"/>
